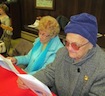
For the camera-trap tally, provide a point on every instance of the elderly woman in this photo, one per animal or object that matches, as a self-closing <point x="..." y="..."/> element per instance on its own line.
<point x="44" y="48"/>
<point x="79" y="67"/>
<point x="6" y="26"/>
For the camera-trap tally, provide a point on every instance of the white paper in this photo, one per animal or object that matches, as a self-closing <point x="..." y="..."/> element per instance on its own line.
<point x="34" y="84"/>
<point x="35" y="25"/>
<point x="32" y="26"/>
<point x="7" y="64"/>
<point x="99" y="35"/>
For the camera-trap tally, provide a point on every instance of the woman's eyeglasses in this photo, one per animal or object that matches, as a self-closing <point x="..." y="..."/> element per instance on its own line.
<point x="43" y="34"/>
<point x="74" y="45"/>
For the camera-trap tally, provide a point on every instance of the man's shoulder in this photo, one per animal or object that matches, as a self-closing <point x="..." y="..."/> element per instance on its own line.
<point x="62" y="50"/>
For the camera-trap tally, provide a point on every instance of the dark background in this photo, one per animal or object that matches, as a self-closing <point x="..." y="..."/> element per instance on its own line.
<point x="24" y="12"/>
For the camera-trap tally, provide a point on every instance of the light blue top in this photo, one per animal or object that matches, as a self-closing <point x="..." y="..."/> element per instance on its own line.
<point x="38" y="59"/>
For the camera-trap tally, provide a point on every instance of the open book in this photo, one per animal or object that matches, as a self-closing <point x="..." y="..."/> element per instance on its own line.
<point x="34" y="84"/>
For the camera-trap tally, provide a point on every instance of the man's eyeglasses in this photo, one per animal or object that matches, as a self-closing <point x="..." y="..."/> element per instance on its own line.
<point x="74" y="45"/>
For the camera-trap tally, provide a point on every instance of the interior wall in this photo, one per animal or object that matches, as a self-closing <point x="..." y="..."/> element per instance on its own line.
<point x="66" y="8"/>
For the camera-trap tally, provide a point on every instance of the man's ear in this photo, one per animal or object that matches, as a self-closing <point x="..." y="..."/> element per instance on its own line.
<point x="90" y="46"/>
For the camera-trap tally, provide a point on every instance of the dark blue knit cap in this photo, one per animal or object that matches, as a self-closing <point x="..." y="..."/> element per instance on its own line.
<point x="85" y="25"/>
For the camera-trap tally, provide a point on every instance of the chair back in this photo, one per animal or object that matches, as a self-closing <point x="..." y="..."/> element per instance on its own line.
<point x="62" y="20"/>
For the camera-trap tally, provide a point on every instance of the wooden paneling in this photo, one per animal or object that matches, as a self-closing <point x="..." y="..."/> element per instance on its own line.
<point x="15" y="18"/>
<point x="66" y="8"/>
<point x="14" y="14"/>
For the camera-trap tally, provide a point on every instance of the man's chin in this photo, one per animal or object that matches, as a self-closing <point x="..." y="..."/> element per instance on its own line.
<point x="72" y="56"/>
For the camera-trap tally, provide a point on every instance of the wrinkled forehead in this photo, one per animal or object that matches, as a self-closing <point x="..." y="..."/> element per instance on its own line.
<point x="72" y="37"/>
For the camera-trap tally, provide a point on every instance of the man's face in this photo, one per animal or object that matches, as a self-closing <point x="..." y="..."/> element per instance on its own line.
<point x="77" y="45"/>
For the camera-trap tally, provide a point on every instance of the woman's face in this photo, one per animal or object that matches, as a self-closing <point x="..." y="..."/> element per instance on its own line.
<point x="44" y="37"/>
<point x="77" y="46"/>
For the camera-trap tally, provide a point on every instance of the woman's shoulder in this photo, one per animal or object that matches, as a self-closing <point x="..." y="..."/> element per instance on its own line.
<point x="57" y="42"/>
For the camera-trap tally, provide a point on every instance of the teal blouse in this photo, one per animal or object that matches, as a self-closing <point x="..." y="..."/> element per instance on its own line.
<point x="37" y="59"/>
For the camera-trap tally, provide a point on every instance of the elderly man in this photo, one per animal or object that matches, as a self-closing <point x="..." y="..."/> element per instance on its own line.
<point x="79" y="67"/>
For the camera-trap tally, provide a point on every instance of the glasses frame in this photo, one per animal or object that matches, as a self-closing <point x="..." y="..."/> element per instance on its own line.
<point x="77" y="46"/>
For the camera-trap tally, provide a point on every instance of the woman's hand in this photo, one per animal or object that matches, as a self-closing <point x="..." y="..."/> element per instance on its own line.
<point x="21" y="84"/>
<point x="13" y="60"/>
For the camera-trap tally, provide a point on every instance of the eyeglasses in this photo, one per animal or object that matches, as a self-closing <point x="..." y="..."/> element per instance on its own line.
<point x="43" y="34"/>
<point x="74" y="45"/>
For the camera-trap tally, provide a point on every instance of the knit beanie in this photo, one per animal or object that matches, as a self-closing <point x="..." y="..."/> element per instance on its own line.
<point x="85" y="25"/>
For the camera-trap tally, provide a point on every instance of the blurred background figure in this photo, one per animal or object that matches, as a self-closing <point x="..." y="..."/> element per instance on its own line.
<point x="6" y="29"/>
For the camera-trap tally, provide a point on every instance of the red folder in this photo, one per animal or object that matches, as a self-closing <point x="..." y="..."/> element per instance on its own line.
<point x="8" y="84"/>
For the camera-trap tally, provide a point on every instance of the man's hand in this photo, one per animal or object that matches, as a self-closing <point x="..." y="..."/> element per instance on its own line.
<point x="21" y="84"/>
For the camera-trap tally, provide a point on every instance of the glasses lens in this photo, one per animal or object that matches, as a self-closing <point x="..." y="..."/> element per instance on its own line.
<point x="73" y="45"/>
<point x="43" y="34"/>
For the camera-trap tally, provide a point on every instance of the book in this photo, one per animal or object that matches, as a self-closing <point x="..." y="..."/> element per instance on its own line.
<point x="33" y="83"/>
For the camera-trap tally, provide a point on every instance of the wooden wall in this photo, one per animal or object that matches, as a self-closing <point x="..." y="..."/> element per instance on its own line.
<point x="15" y="15"/>
<point x="66" y="8"/>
